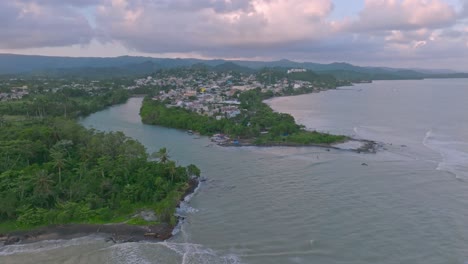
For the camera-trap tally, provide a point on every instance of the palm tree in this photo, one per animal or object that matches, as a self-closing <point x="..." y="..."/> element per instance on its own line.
<point x="2" y="120"/>
<point x="172" y="170"/>
<point x="59" y="160"/>
<point x="43" y="183"/>
<point x="162" y="155"/>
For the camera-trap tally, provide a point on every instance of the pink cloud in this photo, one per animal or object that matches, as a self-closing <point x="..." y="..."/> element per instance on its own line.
<point x="162" y="26"/>
<point x="404" y="15"/>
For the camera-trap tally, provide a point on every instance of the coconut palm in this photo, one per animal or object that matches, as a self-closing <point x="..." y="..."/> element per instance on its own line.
<point x="172" y="170"/>
<point x="59" y="161"/>
<point x="43" y="183"/>
<point x="162" y="155"/>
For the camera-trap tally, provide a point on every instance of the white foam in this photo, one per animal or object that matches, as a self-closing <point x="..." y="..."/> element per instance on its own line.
<point x="350" y="145"/>
<point x="185" y="209"/>
<point x="454" y="158"/>
<point x="47" y="245"/>
<point x="196" y="253"/>
<point x="129" y="253"/>
<point x="372" y="132"/>
<point x="163" y="251"/>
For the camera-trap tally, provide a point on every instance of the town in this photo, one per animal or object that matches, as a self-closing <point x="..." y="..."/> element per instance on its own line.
<point x="215" y="94"/>
<point x="206" y="91"/>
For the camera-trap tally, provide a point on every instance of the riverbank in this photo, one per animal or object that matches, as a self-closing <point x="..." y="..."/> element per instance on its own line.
<point x="115" y="232"/>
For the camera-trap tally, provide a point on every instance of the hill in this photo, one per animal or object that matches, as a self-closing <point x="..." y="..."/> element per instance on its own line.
<point x="137" y="66"/>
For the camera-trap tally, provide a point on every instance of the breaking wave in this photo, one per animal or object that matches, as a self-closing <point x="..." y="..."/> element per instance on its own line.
<point x="47" y="245"/>
<point x="454" y="154"/>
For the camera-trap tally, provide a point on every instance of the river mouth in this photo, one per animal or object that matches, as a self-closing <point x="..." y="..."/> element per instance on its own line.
<point x="310" y="205"/>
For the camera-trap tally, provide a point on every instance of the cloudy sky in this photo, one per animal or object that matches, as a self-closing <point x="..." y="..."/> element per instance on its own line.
<point x="398" y="33"/>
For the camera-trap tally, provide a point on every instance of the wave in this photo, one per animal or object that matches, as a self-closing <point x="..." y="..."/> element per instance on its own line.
<point x="164" y="252"/>
<point x="48" y="245"/>
<point x="371" y="132"/>
<point x="185" y="209"/>
<point x="454" y="157"/>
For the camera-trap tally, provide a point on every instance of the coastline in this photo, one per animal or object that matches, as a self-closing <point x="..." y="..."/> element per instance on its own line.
<point x="114" y="232"/>
<point x="367" y="146"/>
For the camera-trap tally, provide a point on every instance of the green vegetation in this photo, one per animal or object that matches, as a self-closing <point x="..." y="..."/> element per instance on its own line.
<point x="257" y="122"/>
<point x="66" y="102"/>
<point x="54" y="171"/>
<point x="269" y="76"/>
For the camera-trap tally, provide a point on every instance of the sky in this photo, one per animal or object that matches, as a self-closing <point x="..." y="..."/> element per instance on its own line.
<point x="395" y="33"/>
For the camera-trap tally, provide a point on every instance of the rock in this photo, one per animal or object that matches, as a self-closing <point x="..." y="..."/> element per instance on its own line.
<point x="364" y="164"/>
<point x="165" y="236"/>
<point x="148" y="215"/>
<point x="110" y="239"/>
<point x="12" y="240"/>
<point x="130" y="240"/>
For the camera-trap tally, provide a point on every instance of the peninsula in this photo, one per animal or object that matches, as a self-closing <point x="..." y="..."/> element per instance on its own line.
<point x="229" y="107"/>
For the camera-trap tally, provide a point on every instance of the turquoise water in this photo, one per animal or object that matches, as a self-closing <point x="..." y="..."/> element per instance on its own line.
<point x="310" y="205"/>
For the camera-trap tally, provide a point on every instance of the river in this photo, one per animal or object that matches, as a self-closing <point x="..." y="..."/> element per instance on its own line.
<point x="406" y="204"/>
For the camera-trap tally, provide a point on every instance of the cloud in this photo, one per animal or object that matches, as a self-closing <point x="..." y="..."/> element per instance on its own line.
<point x="384" y="30"/>
<point x="204" y="26"/>
<point x="408" y="29"/>
<point x="381" y="15"/>
<point x="27" y="24"/>
<point x="77" y="3"/>
<point x="464" y="11"/>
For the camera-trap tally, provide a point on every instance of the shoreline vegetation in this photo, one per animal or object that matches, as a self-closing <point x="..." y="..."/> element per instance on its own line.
<point x="257" y="125"/>
<point x="111" y="232"/>
<point x="59" y="180"/>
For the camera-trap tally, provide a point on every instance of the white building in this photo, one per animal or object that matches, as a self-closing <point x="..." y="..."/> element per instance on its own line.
<point x="296" y="70"/>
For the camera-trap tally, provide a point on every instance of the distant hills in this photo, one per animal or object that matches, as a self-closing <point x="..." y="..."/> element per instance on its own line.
<point x="129" y="66"/>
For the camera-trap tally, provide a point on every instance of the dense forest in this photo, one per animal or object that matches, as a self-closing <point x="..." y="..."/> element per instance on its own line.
<point x="257" y="122"/>
<point x="67" y="102"/>
<point x="54" y="171"/>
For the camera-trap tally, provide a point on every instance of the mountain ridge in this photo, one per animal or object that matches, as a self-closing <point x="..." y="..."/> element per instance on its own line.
<point x="135" y="65"/>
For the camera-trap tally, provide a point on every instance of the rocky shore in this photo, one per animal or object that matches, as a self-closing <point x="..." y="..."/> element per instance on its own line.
<point x="366" y="146"/>
<point x="116" y="233"/>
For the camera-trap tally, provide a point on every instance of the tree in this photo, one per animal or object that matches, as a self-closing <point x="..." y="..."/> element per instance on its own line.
<point x="162" y="155"/>
<point x="43" y="186"/>
<point x="59" y="161"/>
<point x="172" y="170"/>
<point x="193" y="170"/>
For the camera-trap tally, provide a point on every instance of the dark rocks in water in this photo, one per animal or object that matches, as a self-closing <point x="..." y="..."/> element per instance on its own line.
<point x="111" y="239"/>
<point x="129" y="240"/>
<point x="364" y="164"/>
<point x="11" y="240"/>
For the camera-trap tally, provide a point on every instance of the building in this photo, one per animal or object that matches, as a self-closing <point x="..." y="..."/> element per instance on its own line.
<point x="296" y="70"/>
